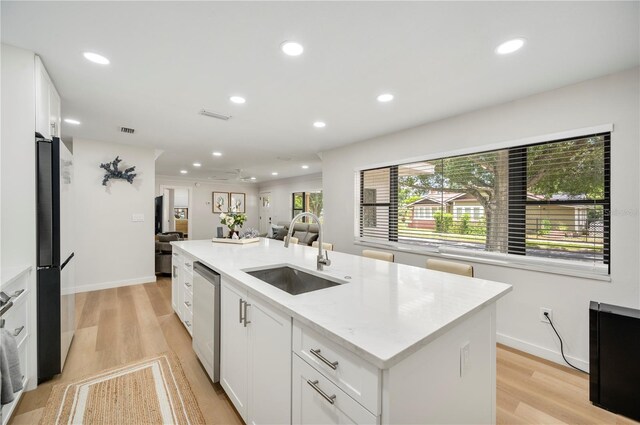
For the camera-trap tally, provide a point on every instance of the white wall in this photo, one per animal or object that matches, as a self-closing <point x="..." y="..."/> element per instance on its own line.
<point x="281" y="190"/>
<point x="18" y="173"/>
<point x="112" y="250"/>
<point x="611" y="99"/>
<point x="201" y="217"/>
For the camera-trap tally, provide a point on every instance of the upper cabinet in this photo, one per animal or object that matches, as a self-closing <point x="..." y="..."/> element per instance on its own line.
<point x="48" y="110"/>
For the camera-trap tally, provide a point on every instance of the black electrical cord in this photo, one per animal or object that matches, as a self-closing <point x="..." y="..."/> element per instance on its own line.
<point x="561" y="347"/>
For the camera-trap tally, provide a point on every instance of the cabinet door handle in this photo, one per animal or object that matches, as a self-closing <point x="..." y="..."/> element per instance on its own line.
<point x="314" y="384"/>
<point x="175" y="271"/>
<point x="246" y="322"/>
<point x="188" y="323"/>
<point x="241" y="301"/>
<point x="187" y="303"/>
<point x="17" y="331"/>
<point x="323" y="359"/>
<point x="187" y="264"/>
<point x="187" y="284"/>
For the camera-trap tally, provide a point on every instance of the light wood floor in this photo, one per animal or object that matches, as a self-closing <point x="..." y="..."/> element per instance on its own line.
<point x="117" y="326"/>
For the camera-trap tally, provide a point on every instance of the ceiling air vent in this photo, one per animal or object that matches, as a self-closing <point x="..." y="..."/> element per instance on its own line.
<point x="127" y="130"/>
<point x="214" y="115"/>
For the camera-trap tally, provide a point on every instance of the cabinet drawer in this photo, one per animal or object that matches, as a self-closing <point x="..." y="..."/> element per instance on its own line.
<point x="16" y="318"/>
<point x="187" y="319"/>
<point x="187" y="301"/>
<point x="317" y="400"/>
<point x="356" y="377"/>
<point x="176" y="258"/>
<point x="188" y="265"/>
<point x="188" y="284"/>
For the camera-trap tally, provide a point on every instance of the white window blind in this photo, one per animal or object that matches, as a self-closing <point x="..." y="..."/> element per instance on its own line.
<point x="548" y="200"/>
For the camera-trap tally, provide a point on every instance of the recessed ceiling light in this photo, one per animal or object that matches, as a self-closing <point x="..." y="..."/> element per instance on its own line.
<point x="253" y="178"/>
<point x="292" y="48"/>
<point x="196" y="164"/>
<point x="510" y="46"/>
<point x="217" y="154"/>
<point x="319" y="124"/>
<point x="96" y="58"/>
<point x="305" y="167"/>
<point x="385" y="97"/>
<point x="237" y="99"/>
<point x="275" y="173"/>
<point x="183" y="171"/>
<point x="71" y="121"/>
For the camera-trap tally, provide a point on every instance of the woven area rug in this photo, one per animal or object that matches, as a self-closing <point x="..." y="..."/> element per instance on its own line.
<point x="150" y="391"/>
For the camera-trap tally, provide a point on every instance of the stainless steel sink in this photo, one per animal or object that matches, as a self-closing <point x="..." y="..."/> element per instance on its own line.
<point x="292" y="280"/>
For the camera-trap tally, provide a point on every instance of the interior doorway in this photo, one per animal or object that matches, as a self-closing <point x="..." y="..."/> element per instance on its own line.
<point x="265" y="212"/>
<point x="177" y="211"/>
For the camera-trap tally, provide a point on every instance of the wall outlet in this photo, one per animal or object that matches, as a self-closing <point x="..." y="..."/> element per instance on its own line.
<point x="465" y="354"/>
<point x="544" y="310"/>
<point x="137" y="217"/>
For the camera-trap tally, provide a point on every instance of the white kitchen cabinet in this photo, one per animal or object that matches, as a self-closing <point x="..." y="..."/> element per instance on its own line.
<point x="269" y="364"/>
<point x="234" y="346"/>
<point x="255" y="368"/>
<point x="48" y="108"/>
<point x="317" y="400"/>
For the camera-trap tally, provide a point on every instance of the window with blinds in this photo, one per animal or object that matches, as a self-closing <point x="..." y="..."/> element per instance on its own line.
<point x="547" y="200"/>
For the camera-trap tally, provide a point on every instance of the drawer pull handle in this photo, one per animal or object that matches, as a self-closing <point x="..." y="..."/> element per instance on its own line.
<point x="246" y="322"/>
<point x="187" y="303"/>
<point x="241" y="302"/>
<point x="314" y="384"/>
<point x="187" y="284"/>
<point x="187" y="264"/>
<point x="17" y="331"/>
<point x="323" y="359"/>
<point x="188" y="323"/>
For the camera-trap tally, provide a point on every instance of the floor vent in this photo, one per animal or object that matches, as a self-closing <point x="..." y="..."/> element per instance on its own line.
<point x="127" y="130"/>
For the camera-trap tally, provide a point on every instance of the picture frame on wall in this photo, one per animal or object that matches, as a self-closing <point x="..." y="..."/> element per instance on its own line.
<point x="237" y="202"/>
<point x="220" y="202"/>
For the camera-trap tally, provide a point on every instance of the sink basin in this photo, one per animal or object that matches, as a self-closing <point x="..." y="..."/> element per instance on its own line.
<point x="292" y="280"/>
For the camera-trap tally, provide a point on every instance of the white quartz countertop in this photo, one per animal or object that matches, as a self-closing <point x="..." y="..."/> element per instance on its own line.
<point x="384" y="313"/>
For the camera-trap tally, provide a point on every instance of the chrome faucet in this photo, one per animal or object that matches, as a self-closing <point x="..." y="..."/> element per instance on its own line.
<point x="322" y="259"/>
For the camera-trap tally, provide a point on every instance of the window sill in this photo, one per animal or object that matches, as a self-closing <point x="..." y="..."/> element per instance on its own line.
<point x="503" y="262"/>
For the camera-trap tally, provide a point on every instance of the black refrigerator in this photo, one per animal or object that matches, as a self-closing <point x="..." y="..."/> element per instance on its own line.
<point x="55" y="273"/>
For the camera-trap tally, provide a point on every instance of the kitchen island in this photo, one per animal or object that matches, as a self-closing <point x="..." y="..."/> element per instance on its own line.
<point x="390" y="344"/>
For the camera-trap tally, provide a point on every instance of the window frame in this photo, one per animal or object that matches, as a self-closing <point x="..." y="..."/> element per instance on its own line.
<point x="517" y="195"/>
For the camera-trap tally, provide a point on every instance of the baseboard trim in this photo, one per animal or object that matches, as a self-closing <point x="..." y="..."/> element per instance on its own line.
<point x="114" y="284"/>
<point x="539" y="351"/>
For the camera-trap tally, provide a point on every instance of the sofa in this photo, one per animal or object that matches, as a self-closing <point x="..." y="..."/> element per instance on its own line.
<point x="307" y="233"/>
<point x="164" y="250"/>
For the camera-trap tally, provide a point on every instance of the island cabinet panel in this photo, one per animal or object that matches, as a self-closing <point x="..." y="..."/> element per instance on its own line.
<point x="234" y="344"/>
<point x="317" y="400"/>
<point x="353" y="375"/>
<point x="269" y="364"/>
<point x="439" y="384"/>
<point x="176" y="281"/>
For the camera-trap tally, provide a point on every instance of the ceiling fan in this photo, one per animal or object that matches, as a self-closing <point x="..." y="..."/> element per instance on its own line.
<point x="235" y="175"/>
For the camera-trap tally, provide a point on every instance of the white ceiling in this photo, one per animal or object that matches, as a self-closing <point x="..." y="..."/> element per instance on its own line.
<point x="170" y="59"/>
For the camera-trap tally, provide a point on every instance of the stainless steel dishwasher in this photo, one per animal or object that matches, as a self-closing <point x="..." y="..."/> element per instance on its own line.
<point x="206" y="318"/>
